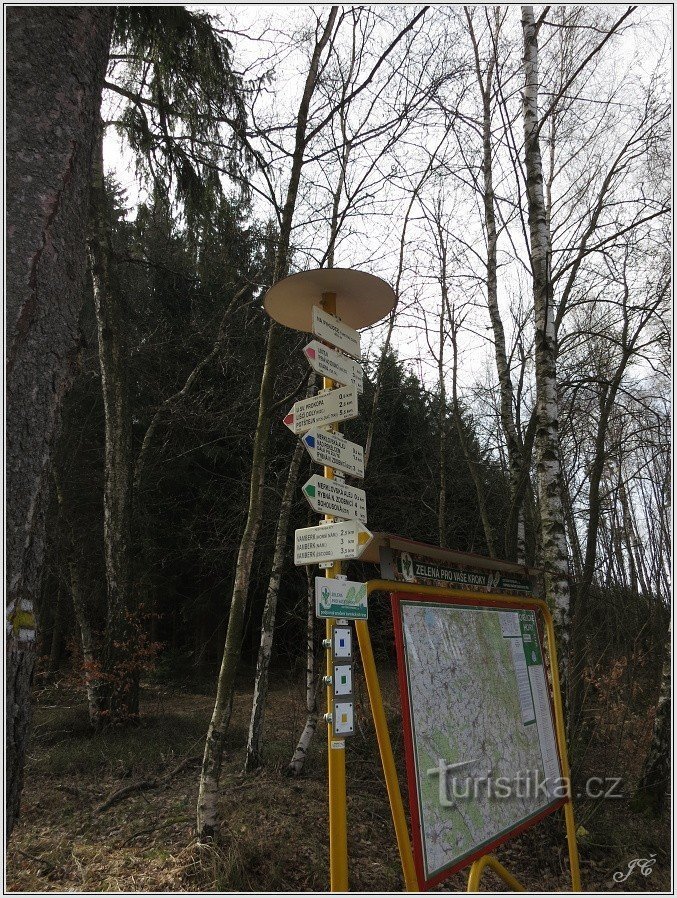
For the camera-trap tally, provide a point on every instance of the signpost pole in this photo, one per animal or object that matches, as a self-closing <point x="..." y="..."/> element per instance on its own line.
<point x="312" y="301"/>
<point x="338" y="824"/>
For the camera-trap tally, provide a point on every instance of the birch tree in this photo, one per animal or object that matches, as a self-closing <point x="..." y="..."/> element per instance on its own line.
<point x="254" y="750"/>
<point x="211" y="763"/>
<point x="306" y="128"/>
<point x="312" y="683"/>
<point x="451" y="315"/>
<point x="346" y="130"/>
<point x="518" y="459"/>
<point x="548" y="468"/>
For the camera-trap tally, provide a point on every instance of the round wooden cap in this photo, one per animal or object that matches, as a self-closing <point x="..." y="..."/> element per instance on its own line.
<point x="361" y="299"/>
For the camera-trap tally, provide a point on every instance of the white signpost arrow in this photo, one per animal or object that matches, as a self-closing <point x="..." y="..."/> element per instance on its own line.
<point x="361" y="299"/>
<point x="337" y="499"/>
<point x="330" y="542"/>
<point x="332" y="364"/>
<point x="329" y="328"/>
<point x="328" y="408"/>
<point x="333" y="450"/>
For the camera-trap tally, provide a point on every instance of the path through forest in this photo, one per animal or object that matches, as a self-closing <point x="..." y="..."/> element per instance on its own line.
<point x="275" y="832"/>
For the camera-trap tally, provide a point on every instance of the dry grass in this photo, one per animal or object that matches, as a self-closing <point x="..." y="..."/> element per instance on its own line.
<point x="274" y="828"/>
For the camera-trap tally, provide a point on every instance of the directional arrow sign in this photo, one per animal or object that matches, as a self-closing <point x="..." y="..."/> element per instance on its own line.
<point x="330" y="408"/>
<point x="331" y="497"/>
<point x="330" y="542"/>
<point x="330" y="363"/>
<point x="328" y="328"/>
<point x="331" y="449"/>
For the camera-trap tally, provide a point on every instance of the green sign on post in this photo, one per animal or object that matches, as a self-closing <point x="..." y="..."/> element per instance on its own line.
<point x="340" y="598"/>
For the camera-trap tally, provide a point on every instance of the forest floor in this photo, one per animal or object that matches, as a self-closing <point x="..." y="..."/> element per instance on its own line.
<point x="274" y="828"/>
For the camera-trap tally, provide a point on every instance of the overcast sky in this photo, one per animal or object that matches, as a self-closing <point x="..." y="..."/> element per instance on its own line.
<point x="373" y="244"/>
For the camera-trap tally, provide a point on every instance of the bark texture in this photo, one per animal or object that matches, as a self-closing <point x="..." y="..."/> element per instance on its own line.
<point x="654" y="784"/>
<point x="254" y="757"/>
<point x="299" y="757"/>
<point x="81" y="608"/>
<point x="119" y="679"/>
<point x="56" y="60"/>
<point x="548" y="469"/>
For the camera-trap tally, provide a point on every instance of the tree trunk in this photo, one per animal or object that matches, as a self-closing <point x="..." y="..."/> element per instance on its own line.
<point x="82" y="612"/>
<point x="120" y="678"/>
<point x="211" y="762"/>
<point x="393" y="314"/>
<point x="514" y="539"/>
<point x="57" y="631"/>
<point x="654" y="784"/>
<point x="299" y="756"/>
<point x="442" y="424"/>
<point x="633" y="543"/>
<point x="548" y="469"/>
<point x="472" y="466"/>
<point x="254" y="756"/>
<point x="56" y="60"/>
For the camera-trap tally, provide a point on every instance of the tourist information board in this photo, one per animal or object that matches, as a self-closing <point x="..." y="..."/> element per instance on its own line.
<point x="330" y="542"/>
<point x="409" y="567"/>
<point x="327" y="408"/>
<point x="330" y="363"/>
<point x="340" y="598"/>
<point x="335" y="451"/>
<point x="329" y="328"/>
<point x="481" y="752"/>
<point x="337" y="499"/>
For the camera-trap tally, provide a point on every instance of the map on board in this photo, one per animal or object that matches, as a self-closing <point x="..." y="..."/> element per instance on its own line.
<point x="482" y="756"/>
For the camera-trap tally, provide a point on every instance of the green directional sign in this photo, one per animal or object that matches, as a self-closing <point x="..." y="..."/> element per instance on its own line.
<point x="340" y="598"/>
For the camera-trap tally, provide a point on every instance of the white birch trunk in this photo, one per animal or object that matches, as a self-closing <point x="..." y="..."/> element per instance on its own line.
<point x="82" y="616"/>
<point x="553" y="535"/>
<point x="442" y="422"/>
<point x="299" y="756"/>
<point x="207" y="815"/>
<point x="517" y="461"/>
<point x="253" y="757"/>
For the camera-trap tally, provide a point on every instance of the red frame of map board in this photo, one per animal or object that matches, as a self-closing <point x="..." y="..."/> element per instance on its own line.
<point x="412" y="779"/>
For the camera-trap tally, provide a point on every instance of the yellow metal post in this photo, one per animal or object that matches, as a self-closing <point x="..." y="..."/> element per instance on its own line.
<point x="562" y="744"/>
<point x="488" y="860"/>
<point x="387" y="759"/>
<point x="336" y="757"/>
